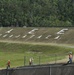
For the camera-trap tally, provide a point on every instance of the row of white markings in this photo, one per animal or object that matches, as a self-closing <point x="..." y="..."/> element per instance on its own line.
<point x="32" y="33"/>
<point x="60" y="33"/>
<point x="24" y="36"/>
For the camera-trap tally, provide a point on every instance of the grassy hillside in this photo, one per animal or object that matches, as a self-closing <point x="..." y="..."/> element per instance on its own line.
<point x="44" y="35"/>
<point x="18" y="45"/>
<point x="19" y="54"/>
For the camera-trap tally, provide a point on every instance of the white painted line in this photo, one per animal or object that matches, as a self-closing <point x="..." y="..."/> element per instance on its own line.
<point x="48" y="36"/>
<point x="39" y="36"/>
<point x="5" y="35"/>
<point x="32" y="31"/>
<point x="62" y="31"/>
<point x="11" y="36"/>
<point x="57" y="37"/>
<point x="32" y="36"/>
<point x="9" y="31"/>
<point x="24" y="36"/>
<point x="17" y="36"/>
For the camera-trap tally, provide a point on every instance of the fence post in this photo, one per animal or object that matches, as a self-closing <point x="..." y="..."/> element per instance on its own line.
<point x="39" y="60"/>
<point x="7" y="71"/>
<point x="55" y="58"/>
<point x="24" y="60"/>
<point x="49" y="70"/>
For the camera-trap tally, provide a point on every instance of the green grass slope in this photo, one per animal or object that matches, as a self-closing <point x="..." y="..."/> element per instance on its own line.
<point x="18" y="32"/>
<point x="19" y="54"/>
<point x="19" y="50"/>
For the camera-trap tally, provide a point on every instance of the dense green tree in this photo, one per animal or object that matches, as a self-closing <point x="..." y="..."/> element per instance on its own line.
<point x="39" y="13"/>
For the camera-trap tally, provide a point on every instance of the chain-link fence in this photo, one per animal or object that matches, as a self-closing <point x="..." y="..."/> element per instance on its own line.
<point x="47" y="59"/>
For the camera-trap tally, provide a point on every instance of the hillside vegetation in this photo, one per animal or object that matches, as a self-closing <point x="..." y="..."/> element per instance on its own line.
<point x="19" y="54"/>
<point x="19" y="44"/>
<point x="38" y="35"/>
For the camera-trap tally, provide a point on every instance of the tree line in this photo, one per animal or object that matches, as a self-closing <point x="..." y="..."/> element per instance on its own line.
<point x="36" y="13"/>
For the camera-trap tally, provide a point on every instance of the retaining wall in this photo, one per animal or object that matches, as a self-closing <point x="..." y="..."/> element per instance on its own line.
<point x="55" y="69"/>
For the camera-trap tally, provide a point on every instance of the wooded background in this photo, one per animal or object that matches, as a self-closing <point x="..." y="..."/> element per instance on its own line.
<point x="36" y="13"/>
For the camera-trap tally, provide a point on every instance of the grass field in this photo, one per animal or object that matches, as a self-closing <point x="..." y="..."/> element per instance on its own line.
<point x="20" y="53"/>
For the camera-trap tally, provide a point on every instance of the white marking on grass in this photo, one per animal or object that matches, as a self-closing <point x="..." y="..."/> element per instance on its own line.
<point x="24" y="36"/>
<point x="5" y="35"/>
<point x="32" y="31"/>
<point x="11" y="36"/>
<point x="62" y="31"/>
<point x="57" y="37"/>
<point x="47" y="36"/>
<point x="39" y="36"/>
<point x="17" y="36"/>
<point x="32" y="36"/>
<point x="9" y="31"/>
